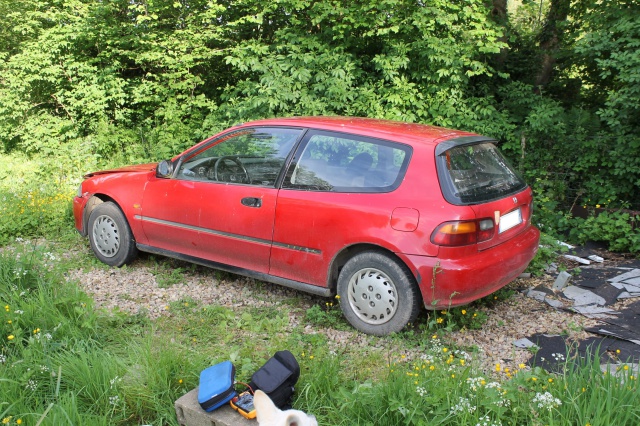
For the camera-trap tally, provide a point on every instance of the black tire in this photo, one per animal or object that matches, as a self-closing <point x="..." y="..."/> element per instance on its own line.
<point x="378" y="294"/>
<point x="110" y="235"/>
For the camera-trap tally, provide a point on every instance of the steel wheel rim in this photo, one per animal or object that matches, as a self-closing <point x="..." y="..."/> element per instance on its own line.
<point x="106" y="236"/>
<point x="372" y="296"/>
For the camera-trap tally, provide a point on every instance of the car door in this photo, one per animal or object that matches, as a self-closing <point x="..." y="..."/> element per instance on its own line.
<point x="234" y="192"/>
<point x="333" y="195"/>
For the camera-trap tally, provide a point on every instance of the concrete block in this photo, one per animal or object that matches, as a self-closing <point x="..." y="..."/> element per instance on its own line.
<point x="190" y="413"/>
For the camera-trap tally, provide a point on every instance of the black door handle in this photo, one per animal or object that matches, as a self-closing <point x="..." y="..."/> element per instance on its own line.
<point x="251" y="202"/>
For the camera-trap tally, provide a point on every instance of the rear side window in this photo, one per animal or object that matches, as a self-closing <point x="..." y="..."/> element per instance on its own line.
<point x="472" y="174"/>
<point x="336" y="162"/>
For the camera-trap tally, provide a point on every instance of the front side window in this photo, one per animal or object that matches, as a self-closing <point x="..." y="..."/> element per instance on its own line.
<point x="346" y="163"/>
<point x="472" y="174"/>
<point x="253" y="156"/>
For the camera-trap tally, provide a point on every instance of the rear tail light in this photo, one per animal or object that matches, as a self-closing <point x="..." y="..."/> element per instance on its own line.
<point x="463" y="232"/>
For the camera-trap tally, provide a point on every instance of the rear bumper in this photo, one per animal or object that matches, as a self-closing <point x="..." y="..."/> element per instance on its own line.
<point x="462" y="280"/>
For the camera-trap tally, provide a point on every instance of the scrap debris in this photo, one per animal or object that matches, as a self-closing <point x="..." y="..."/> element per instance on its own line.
<point x="592" y="293"/>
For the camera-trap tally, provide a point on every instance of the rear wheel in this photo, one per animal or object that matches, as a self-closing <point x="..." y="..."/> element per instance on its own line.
<point x="378" y="294"/>
<point x="110" y="235"/>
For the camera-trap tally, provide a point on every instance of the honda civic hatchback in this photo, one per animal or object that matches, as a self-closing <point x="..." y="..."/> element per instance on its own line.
<point x="389" y="216"/>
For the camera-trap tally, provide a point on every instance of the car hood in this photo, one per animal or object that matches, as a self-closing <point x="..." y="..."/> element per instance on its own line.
<point x="137" y="168"/>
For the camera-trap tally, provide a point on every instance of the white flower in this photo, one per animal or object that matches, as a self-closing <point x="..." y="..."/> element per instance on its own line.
<point x="421" y="391"/>
<point x="546" y="400"/>
<point x="3" y="359"/>
<point x="463" y="405"/>
<point x="486" y="421"/>
<point x="32" y="385"/>
<point x="113" y="400"/>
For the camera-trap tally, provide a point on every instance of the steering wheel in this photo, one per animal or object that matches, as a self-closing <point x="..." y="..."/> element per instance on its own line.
<point x="236" y="160"/>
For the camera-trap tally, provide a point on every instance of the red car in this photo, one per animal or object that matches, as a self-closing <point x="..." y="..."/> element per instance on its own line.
<point x="388" y="215"/>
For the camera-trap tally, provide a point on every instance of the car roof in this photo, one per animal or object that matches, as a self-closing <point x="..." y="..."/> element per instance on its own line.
<point x="378" y="128"/>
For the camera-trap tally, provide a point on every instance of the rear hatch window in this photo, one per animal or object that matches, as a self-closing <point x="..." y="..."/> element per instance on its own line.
<point x="475" y="173"/>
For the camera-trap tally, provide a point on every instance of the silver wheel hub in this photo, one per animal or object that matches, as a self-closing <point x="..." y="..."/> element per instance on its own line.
<point x="106" y="236"/>
<point x="372" y="296"/>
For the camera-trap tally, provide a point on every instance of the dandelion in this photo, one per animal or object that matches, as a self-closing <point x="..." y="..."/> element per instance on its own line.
<point x="435" y="336"/>
<point x="498" y="368"/>
<point x="521" y="366"/>
<point x="445" y="349"/>
<point x="19" y="421"/>
<point x="625" y="368"/>
<point x="180" y="381"/>
<point x="550" y="380"/>
<point x="433" y="367"/>
<point x="464" y="312"/>
<point x="618" y="351"/>
<point x="310" y="356"/>
<point x="337" y="296"/>
<point x="11" y="337"/>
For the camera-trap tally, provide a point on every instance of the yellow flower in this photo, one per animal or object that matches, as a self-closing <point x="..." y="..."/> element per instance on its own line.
<point x="445" y="349"/>
<point x="482" y="382"/>
<point x="180" y="381"/>
<point x="475" y="315"/>
<point x="597" y="206"/>
<point x="6" y="308"/>
<point x="464" y="312"/>
<point x="9" y="322"/>
<point x="403" y="356"/>
<point x="19" y="421"/>
<point x="453" y="376"/>
<point x="626" y="367"/>
<point x="433" y="367"/>
<point x="6" y="420"/>
<point x="310" y="356"/>
<point x="337" y="296"/>
<point x="535" y="379"/>
<point x="498" y="368"/>
<point x="521" y="366"/>
<point x="10" y="337"/>
<point x="618" y="351"/>
<point x="584" y="389"/>
<point x="550" y="380"/>
<point x="36" y="331"/>
<point x="415" y="383"/>
<point x="462" y="362"/>
<point x="439" y="320"/>
<point x="435" y="336"/>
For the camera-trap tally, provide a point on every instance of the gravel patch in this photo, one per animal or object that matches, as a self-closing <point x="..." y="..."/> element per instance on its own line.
<point x="135" y="290"/>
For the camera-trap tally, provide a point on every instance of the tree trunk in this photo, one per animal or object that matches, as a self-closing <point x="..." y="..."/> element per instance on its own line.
<point x="550" y="40"/>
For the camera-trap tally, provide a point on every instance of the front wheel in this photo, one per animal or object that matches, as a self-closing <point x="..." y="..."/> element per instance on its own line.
<point x="110" y="235"/>
<point x="378" y="294"/>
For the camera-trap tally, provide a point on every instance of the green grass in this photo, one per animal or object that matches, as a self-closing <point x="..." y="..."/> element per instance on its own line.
<point x="64" y="362"/>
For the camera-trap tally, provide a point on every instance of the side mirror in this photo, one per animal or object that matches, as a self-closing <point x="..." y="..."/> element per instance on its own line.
<point x="164" y="169"/>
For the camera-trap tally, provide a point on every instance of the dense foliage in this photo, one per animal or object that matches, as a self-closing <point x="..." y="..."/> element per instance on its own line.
<point x="89" y="83"/>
